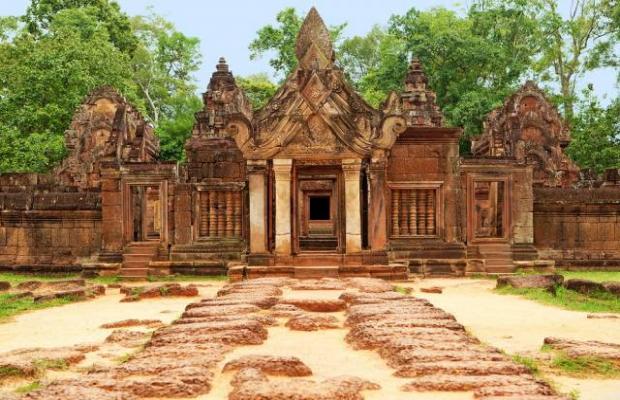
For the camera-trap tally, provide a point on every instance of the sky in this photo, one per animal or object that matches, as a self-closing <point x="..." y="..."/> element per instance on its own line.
<point x="226" y="27"/>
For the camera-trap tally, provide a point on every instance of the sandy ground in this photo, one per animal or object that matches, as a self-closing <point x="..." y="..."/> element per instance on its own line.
<point x="511" y="323"/>
<point x="518" y="325"/>
<point x="80" y="322"/>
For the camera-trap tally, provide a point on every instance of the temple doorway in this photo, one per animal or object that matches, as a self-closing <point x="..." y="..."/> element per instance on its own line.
<point x="318" y="219"/>
<point x="145" y="213"/>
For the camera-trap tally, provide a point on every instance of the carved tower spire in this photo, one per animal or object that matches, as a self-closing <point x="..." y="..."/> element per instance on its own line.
<point x="314" y="47"/>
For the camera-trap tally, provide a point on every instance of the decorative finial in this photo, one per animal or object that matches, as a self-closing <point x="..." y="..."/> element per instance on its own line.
<point x="313" y="42"/>
<point x="221" y="65"/>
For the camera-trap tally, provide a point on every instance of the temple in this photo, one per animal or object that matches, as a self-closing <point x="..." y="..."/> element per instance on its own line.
<point x="316" y="183"/>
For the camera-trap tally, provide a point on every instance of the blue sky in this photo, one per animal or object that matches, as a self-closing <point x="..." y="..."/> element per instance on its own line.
<point x="226" y="27"/>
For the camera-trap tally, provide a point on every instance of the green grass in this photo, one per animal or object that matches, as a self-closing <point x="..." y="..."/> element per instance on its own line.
<point x="402" y="290"/>
<point x="596" y="276"/>
<point x="11" y="305"/>
<point x="19" y="278"/>
<point x="8" y="371"/>
<point x="568" y="299"/>
<point x="529" y="363"/>
<point x="30" y="387"/>
<point x="584" y="366"/>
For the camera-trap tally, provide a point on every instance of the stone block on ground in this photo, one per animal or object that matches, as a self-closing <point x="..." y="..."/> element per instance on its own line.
<point x="270" y="365"/>
<point x="312" y="322"/>
<point x="548" y="281"/>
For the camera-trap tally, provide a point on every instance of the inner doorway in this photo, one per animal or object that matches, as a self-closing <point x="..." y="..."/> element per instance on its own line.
<point x="145" y="213"/>
<point x="318" y="216"/>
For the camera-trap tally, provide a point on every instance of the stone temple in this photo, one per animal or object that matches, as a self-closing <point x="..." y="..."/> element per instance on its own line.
<point x="316" y="183"/>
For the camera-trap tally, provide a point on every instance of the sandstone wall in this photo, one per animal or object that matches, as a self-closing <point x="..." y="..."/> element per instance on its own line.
<point x="578" y="227"/>
<point x="44" y="226"/>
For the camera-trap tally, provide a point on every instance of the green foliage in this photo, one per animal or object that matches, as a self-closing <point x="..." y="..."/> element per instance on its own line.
<point x="568" y="299"/>
<point x="281" y="39"/>
<point x="163" y="64"/>
<point x="596" y="276"/>
<point x="258" y="88"/>
<point x="43" y="80"/>
<point x="41" y="13"/>
<point x="583" y="41"/>
<point x="596" y="134"/>
<point x="528" y="362"/>
<point x="176" y="127"/>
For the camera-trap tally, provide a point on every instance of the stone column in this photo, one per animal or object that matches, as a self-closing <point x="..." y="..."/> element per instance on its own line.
<point x="257" y="170"/>
<point x="377" y="218"/>
<point x="282" y="173"/>
<point x="351" y="169"/>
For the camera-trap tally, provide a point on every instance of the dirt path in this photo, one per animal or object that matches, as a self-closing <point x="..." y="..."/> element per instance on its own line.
<point x="80" y="322"/>
<point x="507" y="322"/>
<point x="518" y="325"/>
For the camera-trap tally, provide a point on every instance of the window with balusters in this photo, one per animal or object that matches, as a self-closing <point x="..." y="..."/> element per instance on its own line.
<point x="220" y="214"/>
<point x="414" y="211"/>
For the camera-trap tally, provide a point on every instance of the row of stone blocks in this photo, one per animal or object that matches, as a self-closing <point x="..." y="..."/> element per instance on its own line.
<point x="388" y="272"/>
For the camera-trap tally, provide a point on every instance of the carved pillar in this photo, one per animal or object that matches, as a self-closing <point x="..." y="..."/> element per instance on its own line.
<point x="351" y="169"/>
<point x="258" y="207"/>
<point x="282" y="173"/>
<point x="377" y="218"/>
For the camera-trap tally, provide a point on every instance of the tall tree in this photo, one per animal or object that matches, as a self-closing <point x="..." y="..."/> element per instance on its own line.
<point x="44" y="79"/>
<point x="596" y="133"/>
<point x="40" y="14"/>
<point x="163" y="64"/>
<point x="281" y="39"/>
<point x="583" y="41"/>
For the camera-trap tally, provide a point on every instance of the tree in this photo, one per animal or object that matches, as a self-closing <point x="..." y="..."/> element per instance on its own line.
<point x="258" y="88"/>
<point x="596" y="134"/>
<point x="473" y="61"/>
<point x="44" y="79"/>
<point x="163" y="64"/>
<point x="40" y="14"/>
<point x="582" y="42"/>
<point x="176" y="128"/>
<point x="375" y="64"/>
<point x="281" y="39"/>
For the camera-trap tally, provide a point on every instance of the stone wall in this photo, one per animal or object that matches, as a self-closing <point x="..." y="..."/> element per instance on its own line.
<point x="44" y="226"/>
<point x="578" y="227"/>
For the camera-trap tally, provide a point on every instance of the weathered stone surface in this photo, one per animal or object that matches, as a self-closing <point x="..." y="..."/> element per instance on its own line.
<point x="210" y="311"/>
<point x="151" y="323"/>
<point x="584" y="286"/>
<point x="393" y="321"/>
<point x="432" y="289"/>
<point x="579" y="348"/>
<point x="412" y="356"/>
<point x="316" y="305"/>
<point x="270" y="365"/>
<point x="63" y="390"/>
<point x="531" y="281"/>
<point x="258" y="300"/>
<point x="602" y="316"/>
<point x="319" y="284"/>
<point x="340" y="388"/>
<point x="476" y="367"/>
<point x="312" y="322"/>
<point x="369" y="298"/>
<point x="248" y="375"/>
<point x="154" y="291"/>
<point x="128" y="338"/>
<point x="458" y="383"/>
<point x="369" y="285"/>
<point x="231" y="337"/>
<point x="285" y="310"/>
<point x="27" y="362"/>
<point x="612" y="287"/>
<point x="205" y="328"/>
<point x="263" y="319"/>
<point x="264" y="290"/>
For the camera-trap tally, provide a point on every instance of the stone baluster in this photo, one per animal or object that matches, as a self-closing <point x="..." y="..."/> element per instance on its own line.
<point x="430" y="212"/>
<point x="395" y="208"/>
<point x="229" y="214"/>
<point x="221" y="214"/>
<point x="421" y="209"/>
<point x="237" y="214"/>
<point x="413" y="213"/>
<point x="403" y="212"/>
<point x="212" y="215"/>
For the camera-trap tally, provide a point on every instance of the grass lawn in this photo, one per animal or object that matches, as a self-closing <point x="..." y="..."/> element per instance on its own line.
<point x="596" y="276"/>
<point x="11" y="305"/>
<point x="568" y="299"/>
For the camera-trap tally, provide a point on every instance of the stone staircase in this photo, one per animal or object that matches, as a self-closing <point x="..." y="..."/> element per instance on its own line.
<point x="498" y="258"/>
<point x="136" y="259"/>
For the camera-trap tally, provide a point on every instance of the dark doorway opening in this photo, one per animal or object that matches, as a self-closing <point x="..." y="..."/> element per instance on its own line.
<point x="320" y="208"/>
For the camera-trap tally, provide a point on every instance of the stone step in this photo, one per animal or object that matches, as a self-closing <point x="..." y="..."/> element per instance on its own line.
<point x="135" y="264"/>
<point x="311" y="272"/>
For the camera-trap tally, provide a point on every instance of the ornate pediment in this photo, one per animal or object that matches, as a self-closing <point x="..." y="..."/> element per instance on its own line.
<point x="529" y="129"/>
